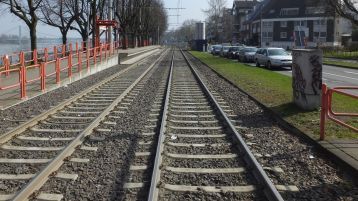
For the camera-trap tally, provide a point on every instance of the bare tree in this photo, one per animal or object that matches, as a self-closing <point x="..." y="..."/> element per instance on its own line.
<point x="214" y="14"/>
<point x="57" y="13"/>
<point x="346" y="8"/>
<point x="26" y="11"/>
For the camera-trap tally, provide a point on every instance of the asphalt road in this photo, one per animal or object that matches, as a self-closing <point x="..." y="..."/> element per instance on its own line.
<point x="332" y="76"/>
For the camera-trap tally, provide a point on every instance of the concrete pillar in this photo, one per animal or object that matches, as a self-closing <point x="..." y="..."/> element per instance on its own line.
<point x="307" y="78"/>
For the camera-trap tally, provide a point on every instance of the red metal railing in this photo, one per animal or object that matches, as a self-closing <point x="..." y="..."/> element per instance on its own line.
<point x="40" y="60"/>
<point x="327" y="111"/>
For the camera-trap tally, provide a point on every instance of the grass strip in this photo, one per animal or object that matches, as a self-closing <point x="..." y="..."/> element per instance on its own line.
<point x="341" y="64"/>
<point x="274" y="90"/>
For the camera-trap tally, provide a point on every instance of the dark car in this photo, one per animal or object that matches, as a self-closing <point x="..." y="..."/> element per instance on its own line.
<point x="232" y="54"/>
<point x="216" y="49"/>
<point x="247" y="54"/>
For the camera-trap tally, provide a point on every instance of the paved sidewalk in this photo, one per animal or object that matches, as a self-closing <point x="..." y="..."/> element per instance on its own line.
<point x="11" y="96"/>
<point x="346" y="150"/>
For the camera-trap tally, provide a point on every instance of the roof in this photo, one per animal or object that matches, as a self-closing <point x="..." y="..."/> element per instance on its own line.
<point x="245" y="3"/>
<point x="269" y="9"/>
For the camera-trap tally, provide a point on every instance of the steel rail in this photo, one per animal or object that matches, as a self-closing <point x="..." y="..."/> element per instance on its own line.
<point x="269" y="188"/>
<point x="153" y="191"/>
<point x="40" y="179"/>
<point x="35" y="120"/>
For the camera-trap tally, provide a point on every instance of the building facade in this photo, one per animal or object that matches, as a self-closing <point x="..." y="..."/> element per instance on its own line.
<point x="240" y="10"/>
<point x="288" y="24"/>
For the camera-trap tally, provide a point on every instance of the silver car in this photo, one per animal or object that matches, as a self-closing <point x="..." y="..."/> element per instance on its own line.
<point x="247" y="54"/>
<point x="273" y="57"/>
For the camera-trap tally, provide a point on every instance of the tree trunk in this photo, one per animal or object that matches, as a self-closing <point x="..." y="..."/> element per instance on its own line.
<point x="125" y="39"/>
<point x="33" y="37"/>
<point x="64" y="38"/>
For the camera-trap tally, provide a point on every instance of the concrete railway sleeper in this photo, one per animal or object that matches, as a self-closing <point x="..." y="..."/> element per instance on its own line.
<point x="34" y="151"/>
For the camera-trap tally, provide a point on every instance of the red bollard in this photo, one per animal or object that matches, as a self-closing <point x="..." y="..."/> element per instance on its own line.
<point x="324" y="105"/>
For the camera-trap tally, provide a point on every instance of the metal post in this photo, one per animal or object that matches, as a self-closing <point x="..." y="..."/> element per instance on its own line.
<point x="110" y="17"/>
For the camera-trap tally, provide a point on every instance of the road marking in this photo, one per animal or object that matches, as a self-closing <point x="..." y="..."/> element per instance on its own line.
<point x="350" y="72"/>
<point x="341" y="76"/>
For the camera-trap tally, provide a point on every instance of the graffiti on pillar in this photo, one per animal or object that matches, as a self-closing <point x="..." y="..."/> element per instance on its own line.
<point x="316" y="83"/>
<point x="299" y="83"/>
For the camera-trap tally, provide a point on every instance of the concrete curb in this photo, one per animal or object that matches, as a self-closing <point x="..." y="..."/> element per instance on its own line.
<point x="321" y="145"/>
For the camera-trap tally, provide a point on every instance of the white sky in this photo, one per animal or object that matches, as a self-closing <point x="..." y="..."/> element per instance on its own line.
<point x="9" y="24"/>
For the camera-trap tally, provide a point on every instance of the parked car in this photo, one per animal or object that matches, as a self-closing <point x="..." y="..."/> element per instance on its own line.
<point x="224" y="51"/>
<point x="216" y="49"/>
<point x="273" y="57"/>
<point x="247" y="54"/>
<point x="233" y="51"/>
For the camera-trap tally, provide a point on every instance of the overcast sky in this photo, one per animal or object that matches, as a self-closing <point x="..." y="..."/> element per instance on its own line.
<point x="9" y="24"/>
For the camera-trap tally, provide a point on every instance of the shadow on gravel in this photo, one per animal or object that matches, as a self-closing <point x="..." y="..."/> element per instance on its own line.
<point x="288" y="110"/>
<point x="123" y="171"/>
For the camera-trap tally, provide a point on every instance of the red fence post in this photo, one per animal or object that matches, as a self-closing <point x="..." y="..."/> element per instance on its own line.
<point x="94" y="55"/>
<point x="87" y="58"/>
<point x="100" y="53"/>
<point x="23" y="76"/>
<point x="76" y="47"/>
<point x="79" y="61"/>
<point x="6" y="62"/>
<point x="55" y="53"/>
<point x="63" y="50"/>
<point x="58" y="71"/>
<point x="69" y="65"/>
<point x="46" y="55"/>
<point x="324" y="105"/>
<point x="43" y="76"/>
<point x="34" y="56"/>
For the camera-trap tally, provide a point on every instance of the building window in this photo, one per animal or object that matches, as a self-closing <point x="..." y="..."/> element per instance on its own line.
<point x="315" y="10"/>
<point x="272" y="11"/>
<point x="267" y="24"/>
<point x="283" y="23"/>
<point x="289" y="11"/>
<point x="302" y="23"/>
<point x="283" y="34"/>
<point x="320" y="22"/>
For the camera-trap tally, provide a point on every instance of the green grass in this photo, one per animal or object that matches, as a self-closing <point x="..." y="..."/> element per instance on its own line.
<point x="341" y="54"/>
<point x="341" y="63"/>
<point x="274" y="90"/>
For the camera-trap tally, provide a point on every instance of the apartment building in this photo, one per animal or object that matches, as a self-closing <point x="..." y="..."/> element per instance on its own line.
<point x="240" y="10"/>
<point x="295" y="23"/>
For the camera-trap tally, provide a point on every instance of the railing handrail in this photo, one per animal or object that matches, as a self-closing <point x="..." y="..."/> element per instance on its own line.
<point x="67" y="52"/>
<point x="327" y="111"/>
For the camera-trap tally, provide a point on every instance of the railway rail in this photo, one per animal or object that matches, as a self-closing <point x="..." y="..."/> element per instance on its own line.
<point x="33" y="152"/>
<point x="195" y="146"/>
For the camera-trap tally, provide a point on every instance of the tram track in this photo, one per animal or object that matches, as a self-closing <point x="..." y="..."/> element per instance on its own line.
<point x="196" y="149"/>
<point x="32" y="153"/>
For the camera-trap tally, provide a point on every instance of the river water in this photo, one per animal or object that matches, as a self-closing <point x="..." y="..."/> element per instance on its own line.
<point x="8" y="48"/>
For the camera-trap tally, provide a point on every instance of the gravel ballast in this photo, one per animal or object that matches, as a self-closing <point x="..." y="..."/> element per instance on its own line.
<point x="316" y="177"/>
<point x="103" y="177"/>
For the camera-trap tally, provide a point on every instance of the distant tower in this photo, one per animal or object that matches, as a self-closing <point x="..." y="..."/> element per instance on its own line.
<point x="200" y="31"/>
